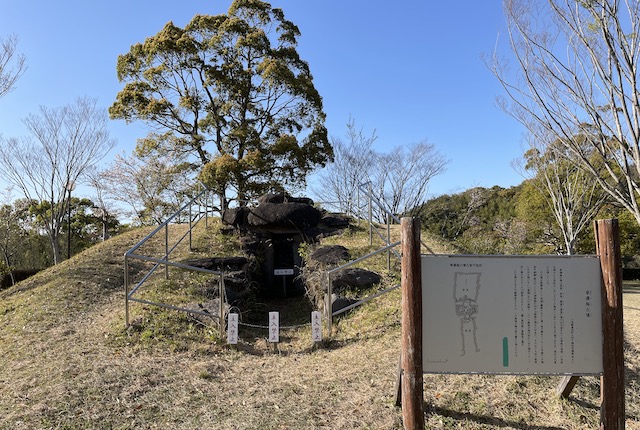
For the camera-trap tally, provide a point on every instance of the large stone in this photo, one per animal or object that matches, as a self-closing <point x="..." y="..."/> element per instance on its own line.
<point x="335" y="221"/>
<point x="283" y="217"/>
<point x="283" y="198"/>
<point x="236" y="217"/>
<point x="338" y="303"/>
<point x="332" y="254"/>
<point x="355" y="279"/>
<point x="219" y="263"/>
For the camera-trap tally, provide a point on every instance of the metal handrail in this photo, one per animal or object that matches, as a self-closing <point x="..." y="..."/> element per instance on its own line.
<point x="164" y="260"/>
<point x="328" y="273"/>
<point x="366" y="189"/>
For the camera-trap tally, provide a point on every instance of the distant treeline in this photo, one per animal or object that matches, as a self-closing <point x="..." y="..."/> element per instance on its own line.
<point x="16" y="276"/>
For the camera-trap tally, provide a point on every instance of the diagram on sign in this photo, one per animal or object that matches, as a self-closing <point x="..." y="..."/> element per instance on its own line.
<point x="466" y="287"/>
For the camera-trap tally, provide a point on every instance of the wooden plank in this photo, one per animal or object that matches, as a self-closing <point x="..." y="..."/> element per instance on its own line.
<point x="398" y="388"/>
<point x="411" y="282"/>
<point x="612" y="409"/>
<point x="566" y="385"/>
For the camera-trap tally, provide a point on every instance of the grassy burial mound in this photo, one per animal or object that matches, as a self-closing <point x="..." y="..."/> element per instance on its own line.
<point x="69" y="363"/>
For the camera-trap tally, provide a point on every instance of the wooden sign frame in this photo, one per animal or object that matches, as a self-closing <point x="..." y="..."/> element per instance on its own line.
<point x="410" y="378"/>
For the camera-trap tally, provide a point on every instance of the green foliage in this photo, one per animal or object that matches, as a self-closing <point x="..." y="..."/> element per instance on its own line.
<point x="516" y="220"/>
<point x="479" y="220"/>
<point x="231" y="91"/>
<point x="23" y="243"/>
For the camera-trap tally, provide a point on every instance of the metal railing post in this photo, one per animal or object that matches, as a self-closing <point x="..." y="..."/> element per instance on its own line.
<point x="370" y="217"/>
<point x="221" y="319"/>
<point x="329" y="304"/>
<point x="166" y="250"/>
<point x="388" y="241"/>
<point x="190" y="227"/>
<point x="206" y="209"/>
<point x="126" y="290"/>
<point x="358" y="207"/>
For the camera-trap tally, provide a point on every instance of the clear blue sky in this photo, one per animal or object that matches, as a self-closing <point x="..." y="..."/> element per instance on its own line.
<point x="411" y="70"/>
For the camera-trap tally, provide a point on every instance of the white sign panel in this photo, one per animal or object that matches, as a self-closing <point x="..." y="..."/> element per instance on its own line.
<point x="282" y="272"/>
<point x="316" y="326"/>
<point x="274" y="327"/>
<point x="232" y="329"/>
<point x="512" y="315"/>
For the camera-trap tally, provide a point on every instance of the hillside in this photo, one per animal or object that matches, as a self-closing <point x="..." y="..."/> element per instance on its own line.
<point x="69" y="363"/>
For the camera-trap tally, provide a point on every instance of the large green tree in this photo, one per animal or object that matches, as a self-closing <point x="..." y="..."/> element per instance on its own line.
<point x="232" y="91"/>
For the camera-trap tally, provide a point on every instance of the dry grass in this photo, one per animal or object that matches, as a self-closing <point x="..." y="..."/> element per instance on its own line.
<point x="68" y="363"/>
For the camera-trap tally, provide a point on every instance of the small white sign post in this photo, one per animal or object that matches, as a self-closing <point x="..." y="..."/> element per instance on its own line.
<point x="232" y="329"/>
<point x="316" y="326"/>
<point x="283" y="273"/>
<point x="274" y="327"/>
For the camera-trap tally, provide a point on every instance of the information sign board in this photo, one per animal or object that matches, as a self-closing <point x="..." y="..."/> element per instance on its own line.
<point x="511" y="315"/>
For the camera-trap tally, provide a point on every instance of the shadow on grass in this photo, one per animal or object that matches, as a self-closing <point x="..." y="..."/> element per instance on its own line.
<point x="485" y="419"/>
<point x="631" y="378"/>
<point x="629" y="287"/>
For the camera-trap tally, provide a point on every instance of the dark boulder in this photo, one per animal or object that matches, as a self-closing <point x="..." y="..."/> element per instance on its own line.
<point x="335" y="221"/>
<point x="354" y="279"/>
<point x="338" y="303"/>
<point x="219" y="263"/>
<point x="283" y="217"/>
<point x="283" y="198"/>
<point x="332" y="254"/>
<point x="236" y="217"/>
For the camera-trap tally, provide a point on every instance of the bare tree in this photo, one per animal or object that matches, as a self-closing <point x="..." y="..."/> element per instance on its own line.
<point x="64" y="143"/>
<point x="353" y="159"/>
<point x="577" y="80"/>
<point x="104" y="208"/>
<point x="402" y="176"/>
<point x="12" y="64"/>
<point x="572" y="196"/>
<point x="153" y="186"/>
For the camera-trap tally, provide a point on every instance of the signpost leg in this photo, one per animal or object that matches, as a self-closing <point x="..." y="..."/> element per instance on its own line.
<point x="412" y="390"/>
<point x="566" y="385"/>
<point x="612" y="381"/>
<point x="398" y="389"/>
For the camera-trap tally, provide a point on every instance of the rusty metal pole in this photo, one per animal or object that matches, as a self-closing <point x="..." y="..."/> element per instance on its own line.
<point x="411" y="283"/>
<point x="612" y="408"/>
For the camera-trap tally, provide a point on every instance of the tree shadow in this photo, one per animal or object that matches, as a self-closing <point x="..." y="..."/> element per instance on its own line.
<point x="494" y="422"/>
<point x="632" y="377"/>
<point x="629" y="288"/>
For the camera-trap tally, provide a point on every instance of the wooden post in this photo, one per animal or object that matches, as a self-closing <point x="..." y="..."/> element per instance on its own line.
<point x="412" y="391"/>
<point x="612" y="381"/>
<point x="566" y="385"/>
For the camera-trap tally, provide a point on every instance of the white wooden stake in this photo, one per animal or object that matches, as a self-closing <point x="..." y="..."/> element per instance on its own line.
<point x="232" y="329"/>
<point x="274" y="327"/>
<point x="316" y="326"/>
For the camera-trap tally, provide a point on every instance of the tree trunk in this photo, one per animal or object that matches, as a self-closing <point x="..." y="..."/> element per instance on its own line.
<point x="55" y="247"/>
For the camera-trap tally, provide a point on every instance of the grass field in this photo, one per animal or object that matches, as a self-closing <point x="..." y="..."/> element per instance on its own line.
<point x="67" y="362"/>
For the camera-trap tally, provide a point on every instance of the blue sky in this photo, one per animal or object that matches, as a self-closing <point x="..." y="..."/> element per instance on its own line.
<point x="411" y="70"/>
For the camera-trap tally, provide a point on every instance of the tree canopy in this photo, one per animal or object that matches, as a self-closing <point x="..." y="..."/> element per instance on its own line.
<point x="232" y="92"/>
